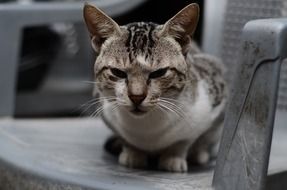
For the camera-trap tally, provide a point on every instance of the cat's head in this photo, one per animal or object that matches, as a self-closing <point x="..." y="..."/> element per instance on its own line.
<point x="141" y="64"/>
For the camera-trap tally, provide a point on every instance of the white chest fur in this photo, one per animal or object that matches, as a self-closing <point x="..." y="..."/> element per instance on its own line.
<point x="158" y="129"/>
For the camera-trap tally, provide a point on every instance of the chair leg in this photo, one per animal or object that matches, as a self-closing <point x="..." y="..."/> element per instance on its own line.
<point x="10" y="37"/>
<point x="245" y="146"/>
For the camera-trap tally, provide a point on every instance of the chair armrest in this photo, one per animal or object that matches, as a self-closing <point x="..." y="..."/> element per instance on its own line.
<point x="245" y="145"/>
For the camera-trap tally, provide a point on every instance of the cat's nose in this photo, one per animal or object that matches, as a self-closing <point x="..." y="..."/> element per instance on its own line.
<point x="137" y="99"/>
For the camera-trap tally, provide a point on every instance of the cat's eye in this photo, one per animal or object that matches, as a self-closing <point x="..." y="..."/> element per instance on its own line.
<point x="158" y="73"/>
<point x="119" y="73"/>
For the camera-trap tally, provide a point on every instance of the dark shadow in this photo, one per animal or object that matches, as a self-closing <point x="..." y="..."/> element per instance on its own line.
<point x="277" y="181"/>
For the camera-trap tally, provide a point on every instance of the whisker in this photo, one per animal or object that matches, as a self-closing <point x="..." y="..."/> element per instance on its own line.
<point x="122" y="103"/>
<point x="172" y="109"/>
<point x="87" y="107"/>
<point x="162" y="109"/>
<point x="171" y="103"/>
<point x="173" y="100"/>
<point x="91" y="103"/>
<point x="99" y="98"/>
<point x="115" y="107"/>
<point x="98" y="110"/>
<point x="174" y="106"/>
<point x="166" y="107"/>
<point x="91" y="82"/>
<point x="95" y="102"/>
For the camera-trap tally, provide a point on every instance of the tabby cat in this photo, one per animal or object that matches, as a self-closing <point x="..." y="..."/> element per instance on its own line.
<point x="160" y="94"/>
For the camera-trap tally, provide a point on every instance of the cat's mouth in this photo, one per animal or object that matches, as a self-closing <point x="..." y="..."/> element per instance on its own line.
<point x="138" y="111"/>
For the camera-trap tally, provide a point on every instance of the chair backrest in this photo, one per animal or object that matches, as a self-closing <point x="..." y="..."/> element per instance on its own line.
<point x="236" y="14"/>
<point x="254" y="57"/>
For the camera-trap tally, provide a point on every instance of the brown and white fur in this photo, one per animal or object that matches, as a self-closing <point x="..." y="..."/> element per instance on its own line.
<point x="160" y="94"/>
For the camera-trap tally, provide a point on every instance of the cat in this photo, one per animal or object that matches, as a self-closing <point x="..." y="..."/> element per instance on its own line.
<point x="160" y="94"/>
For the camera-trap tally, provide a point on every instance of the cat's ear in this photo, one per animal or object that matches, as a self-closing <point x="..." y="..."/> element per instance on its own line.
<point x="99" y="25"/>
<point x="182" y="26"/>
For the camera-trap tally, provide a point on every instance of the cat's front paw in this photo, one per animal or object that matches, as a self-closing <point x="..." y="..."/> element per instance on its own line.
<point x="203" y="157"/>
<point x="173" y="164"/>
<point x="132" y="159"/>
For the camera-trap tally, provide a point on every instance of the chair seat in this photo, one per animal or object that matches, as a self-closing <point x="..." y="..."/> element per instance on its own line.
<point x="68" y="154"/>
<point x="278" y="155"/>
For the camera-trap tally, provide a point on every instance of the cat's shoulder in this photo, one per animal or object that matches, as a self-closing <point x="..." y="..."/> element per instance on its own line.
<point x="211" y="71"/>
<point x="204" y="61"/>
<point x="208" y="65"/>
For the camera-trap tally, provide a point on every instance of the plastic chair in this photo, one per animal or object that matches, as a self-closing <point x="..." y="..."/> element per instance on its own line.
<point x="244" y="152"/>
<point x="67" y="153"/>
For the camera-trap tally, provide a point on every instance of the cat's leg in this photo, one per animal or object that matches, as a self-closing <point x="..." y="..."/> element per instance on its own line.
<point x="174" y="157"/>
<point x="206" y="146"/>
<point x="133" y="158"/>
<point x="114" y="145"/>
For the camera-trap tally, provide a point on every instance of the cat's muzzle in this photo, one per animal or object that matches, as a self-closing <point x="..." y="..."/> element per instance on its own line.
<point x="137" y="110"/>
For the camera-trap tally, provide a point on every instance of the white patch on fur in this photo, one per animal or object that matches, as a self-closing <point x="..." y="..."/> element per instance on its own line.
<point x="121" y="90"/>
<point x="157" y="130"/>
<point x="141" y="59"/>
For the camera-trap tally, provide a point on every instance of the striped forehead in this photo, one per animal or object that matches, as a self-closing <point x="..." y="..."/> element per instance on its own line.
<point x="140" y="39"/>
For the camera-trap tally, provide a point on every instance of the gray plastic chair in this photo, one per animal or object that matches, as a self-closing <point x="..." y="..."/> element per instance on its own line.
<point x="240" y="143"/>
<point x="67" y="153"/>
<point x="244" y="152"/>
